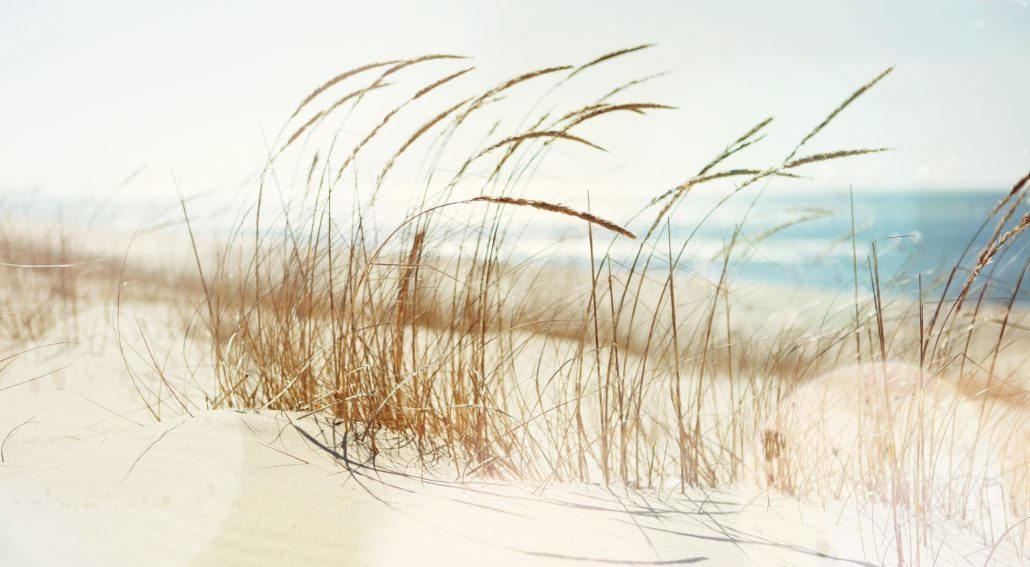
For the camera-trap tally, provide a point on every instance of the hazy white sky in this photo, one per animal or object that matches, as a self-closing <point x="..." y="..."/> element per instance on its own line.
<point x="92" y="91"/>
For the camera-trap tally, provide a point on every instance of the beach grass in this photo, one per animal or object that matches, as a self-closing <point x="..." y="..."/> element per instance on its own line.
<point x="625" y="372"/>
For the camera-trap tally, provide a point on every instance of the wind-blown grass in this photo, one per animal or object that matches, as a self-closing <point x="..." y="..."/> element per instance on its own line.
<point x="621" y="373"/>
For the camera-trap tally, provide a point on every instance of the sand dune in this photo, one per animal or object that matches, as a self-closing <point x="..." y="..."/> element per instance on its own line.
<point x="88" y="478"/>
<point x="231" y="488"/>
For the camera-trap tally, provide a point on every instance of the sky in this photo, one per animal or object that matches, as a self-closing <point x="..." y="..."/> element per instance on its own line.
<point x="188" y="95"/>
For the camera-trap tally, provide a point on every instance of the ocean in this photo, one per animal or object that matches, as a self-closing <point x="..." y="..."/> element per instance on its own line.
<point x="802" y="239"/>
<point x="805" y="239"/>
<point x="915" y="234"/>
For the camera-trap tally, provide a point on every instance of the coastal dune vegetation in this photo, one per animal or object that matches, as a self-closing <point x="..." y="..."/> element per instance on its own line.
<point x="389" y="281"/>
<point x="629" y="370"/>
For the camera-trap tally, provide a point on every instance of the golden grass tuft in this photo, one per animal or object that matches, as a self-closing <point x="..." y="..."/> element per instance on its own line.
<point x="627" y="371"/>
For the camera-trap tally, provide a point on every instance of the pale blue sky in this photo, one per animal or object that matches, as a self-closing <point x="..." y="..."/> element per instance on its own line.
<point x="91" y="91"/>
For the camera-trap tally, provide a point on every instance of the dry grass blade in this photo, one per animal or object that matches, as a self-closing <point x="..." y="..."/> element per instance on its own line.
<point x="311" y="170"/>
<point x="523" y="78"/>
<point x="1006" y="201"/>
<point x="754" y="130"/>
<point x="338" y="78"/>
<point x="988" y="254"/>
<point x="490" y="95"/>
<point x="581" y="111"/>
<point x="598" y="110"/>
<point x="382" y="123"/>
<point x="322" y="114"/>
<point x="631" y="84"/>
<point x="404" y="308"/>
<point x="663" y="213"/>
<point x="738" y="145"/>
<point x="573" y="118"/>
<point x="408" y="63"/>
<point x="814" y="158"/>
<point x="608" y="57"/>
<point x="1020" y="184"/>
<point x="418" y="134"/>
<point x="513" y="143"/>
<point x="416" y="60"/>
<point x="425" y="127"/>
<point x="847" y="102"/>
<point x="508" y="152"/>
<point x="554" y="208"/>
<point x="368" y="138"/>
<point x="550" y="134"/>
<point x="680" y="189"/>
<point x="674" y="195"/>
<point x="429" y="88"/>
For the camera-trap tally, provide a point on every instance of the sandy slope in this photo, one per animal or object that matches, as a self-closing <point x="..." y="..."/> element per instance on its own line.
<point x="227" y="488"/>
<point x="88" y="478"/>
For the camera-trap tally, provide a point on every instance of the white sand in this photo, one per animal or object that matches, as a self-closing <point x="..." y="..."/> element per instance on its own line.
<point x="88" y="478"/>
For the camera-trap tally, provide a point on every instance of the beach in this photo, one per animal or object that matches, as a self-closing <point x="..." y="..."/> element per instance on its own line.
<point x="90" y="475"/>
<point x="561" y="305"/>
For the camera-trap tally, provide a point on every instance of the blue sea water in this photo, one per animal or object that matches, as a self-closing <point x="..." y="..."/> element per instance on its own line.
<point x="805" y="239"/>
<point x="913" y="234"/>
<point x="802" y="239"/>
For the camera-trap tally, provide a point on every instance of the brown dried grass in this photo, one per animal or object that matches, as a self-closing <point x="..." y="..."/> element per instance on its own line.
<point x="627" y="374"/>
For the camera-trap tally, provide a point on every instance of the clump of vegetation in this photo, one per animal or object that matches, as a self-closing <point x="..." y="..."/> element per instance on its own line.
<point x="41" y="283"/>
<point x="621" y="372"/>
